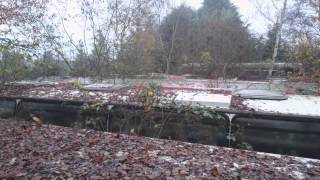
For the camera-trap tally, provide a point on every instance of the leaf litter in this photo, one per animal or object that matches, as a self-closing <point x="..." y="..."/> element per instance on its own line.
<point x="28" y="151"/>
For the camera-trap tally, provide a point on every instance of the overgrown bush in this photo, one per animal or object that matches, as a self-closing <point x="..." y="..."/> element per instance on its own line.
<point x="13" y="66"/>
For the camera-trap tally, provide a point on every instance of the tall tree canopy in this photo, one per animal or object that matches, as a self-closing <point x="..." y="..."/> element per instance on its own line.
<point x="220" y="9"/>
<point x="177" y="36"/>
<point x="214" y="35"/>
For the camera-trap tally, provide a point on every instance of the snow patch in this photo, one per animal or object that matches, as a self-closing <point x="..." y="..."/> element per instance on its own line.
<point x="168" y="159"/>
<point x="295" y="104"/>
<point x="203" y="98"/>
<point x="92" y="94"/>
<point x="75" y="92"/>
<point x="269" y="154"/>
<point x="306" y="160"/>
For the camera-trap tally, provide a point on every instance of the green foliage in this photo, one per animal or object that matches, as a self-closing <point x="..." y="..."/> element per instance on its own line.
<point x="308" y="54"/>
<point x="269" y="47"/>
<point x="48" y="66"/>
<point x="205" y="56"/>
<point x="142" y="54"/>
<point x="201" y="111"/>
<point x="76" y="85"/>
<point x="13" y="66"/>
<point x="96" y="106"/>
<point x="220" y="9"/>
<point x="178" y="36"/>
<point x="16" y="65"/>
<point x="81" y="65"/>
<point x="149" y="96"/>
<point x="268" y="61"/>
<point x="214" y="35"/>
<point x="245" y="145"/>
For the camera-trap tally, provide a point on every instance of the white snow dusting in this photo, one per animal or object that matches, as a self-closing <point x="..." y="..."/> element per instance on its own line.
<point x="295" y="104"/>
<point x="203" y="98"/>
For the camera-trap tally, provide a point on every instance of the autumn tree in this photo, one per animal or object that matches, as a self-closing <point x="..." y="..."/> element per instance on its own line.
<point x="303" y="31"/>
<point x="13" y="66"/>
<point x="20" y="23"/>
<point x="142" y="54"/>
<point x="108" y="26"/>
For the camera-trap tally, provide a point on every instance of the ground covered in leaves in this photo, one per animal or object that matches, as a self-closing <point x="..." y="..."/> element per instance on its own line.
<point x="35" y="152"/>
<point x="74" y="92"/>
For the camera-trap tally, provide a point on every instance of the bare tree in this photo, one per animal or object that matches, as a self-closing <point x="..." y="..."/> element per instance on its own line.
<point x="173" y="39"/>
<point x="279" y="24"/>
<point x="277" y="21"/>
<point x="108" y="24"/>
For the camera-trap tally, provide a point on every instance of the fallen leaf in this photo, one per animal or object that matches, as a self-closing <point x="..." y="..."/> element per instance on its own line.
<point x="37" y="120"/>
<point x="215" y="172"/>
<point x="183" y="172"/>
<point x="21" y="174"/>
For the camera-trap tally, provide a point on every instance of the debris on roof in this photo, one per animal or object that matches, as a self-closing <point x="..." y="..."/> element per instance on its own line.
<point x="192" y="93"/>
<point x="47" y="151"/>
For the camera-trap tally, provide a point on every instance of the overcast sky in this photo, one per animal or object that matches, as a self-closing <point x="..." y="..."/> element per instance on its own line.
<point x="246" y="9"/>
<point x="75" y="27"/>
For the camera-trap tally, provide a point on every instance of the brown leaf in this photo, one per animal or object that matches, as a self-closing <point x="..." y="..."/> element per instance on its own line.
<point x="37" y="120"/>
<point x="183" y="172"/>
<point x="99" y="159"/>
<point x="21" y="174"/>
<point x="92" y="141"/>
<point x="215" y="172"/>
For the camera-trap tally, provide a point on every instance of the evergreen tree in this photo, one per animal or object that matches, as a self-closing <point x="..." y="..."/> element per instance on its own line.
<point x="220" y="9"/>
<point x="269" y="47"/>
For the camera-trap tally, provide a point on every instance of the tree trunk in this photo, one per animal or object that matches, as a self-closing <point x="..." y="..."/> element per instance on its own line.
<point x="224" y="71"/>
<point x="279" y="25"/>
<point x="172" y="45"/>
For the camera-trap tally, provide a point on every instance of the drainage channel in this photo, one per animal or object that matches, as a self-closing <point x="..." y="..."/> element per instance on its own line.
<point x="265" y="132"/>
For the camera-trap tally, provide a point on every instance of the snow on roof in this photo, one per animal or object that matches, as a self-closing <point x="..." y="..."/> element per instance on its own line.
<point x="102" y="87"/>
<point x="261" y="94"/>
<point x="203" y="99"/>
<point x="211" y="97"/>
<point x="295" y="104"/>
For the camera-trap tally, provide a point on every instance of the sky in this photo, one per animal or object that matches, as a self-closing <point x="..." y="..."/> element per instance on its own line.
<point x="246" y="9"/>
<point x="75" y="27"/>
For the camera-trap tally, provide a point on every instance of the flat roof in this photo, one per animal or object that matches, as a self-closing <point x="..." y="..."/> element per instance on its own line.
<point x="47" y="151"/>
<point x="306" y="105"/>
